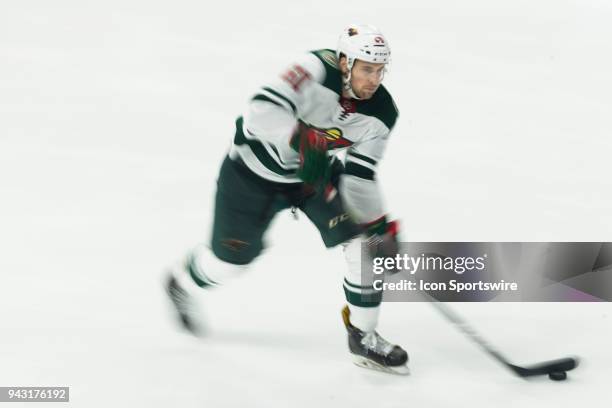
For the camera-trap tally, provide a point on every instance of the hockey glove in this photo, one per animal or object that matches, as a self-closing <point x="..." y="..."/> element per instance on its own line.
<point x="311" y="144"/>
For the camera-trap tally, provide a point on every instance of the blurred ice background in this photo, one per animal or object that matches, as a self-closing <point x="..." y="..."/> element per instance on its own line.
<point x="115" y="115"/>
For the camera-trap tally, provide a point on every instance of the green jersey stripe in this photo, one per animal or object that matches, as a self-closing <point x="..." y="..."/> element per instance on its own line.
<point x="357" y="170"/>
<point x="281" y="96"/>
<point x="261" y="97"/>
<point x="333" y="76"/>
<point x="362" y="157"/>
<point x="380" y="106"/>
<point x="260" y="151"/>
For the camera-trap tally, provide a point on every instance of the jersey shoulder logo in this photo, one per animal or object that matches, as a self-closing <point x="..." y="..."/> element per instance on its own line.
<point x="329" y="57"/>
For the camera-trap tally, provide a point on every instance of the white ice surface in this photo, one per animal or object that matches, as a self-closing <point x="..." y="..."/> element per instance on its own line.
<point x="115" y="115"/>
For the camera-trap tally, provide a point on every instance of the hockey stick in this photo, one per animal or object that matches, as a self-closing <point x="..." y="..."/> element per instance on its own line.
<point x="544" y="368"/>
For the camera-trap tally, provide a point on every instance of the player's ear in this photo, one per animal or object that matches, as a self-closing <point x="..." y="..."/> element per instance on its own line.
<point x="343" y="64"/>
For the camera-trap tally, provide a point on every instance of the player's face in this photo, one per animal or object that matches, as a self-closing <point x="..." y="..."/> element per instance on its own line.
<point x="366" y="78"/>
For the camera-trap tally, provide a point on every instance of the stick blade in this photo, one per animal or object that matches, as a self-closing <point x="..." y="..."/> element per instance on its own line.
<point x="546" y="367"/>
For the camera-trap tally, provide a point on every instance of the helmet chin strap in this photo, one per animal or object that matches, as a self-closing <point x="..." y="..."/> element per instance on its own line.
<point x="346" y="83"/>
<point x="346" y="80"/>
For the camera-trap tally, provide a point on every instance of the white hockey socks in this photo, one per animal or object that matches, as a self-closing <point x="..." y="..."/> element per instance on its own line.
<point x="363" y="317"/>
<point x="205" y="269"/>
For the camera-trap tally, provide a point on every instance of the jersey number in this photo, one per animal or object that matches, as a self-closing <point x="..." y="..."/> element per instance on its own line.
<point x="296" y="76"/>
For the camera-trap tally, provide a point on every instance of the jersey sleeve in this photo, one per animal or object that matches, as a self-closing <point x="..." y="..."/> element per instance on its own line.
<point x="359" y="187"/>
<point x="273" y="111"/>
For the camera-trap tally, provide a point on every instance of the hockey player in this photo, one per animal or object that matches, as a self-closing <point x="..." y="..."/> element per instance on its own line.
<point x="284" y="156"/>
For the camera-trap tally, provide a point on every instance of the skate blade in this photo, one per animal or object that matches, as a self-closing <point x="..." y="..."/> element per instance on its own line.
<point x="372" y="365"/>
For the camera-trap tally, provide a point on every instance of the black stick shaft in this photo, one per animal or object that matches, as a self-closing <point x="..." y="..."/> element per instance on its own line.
<point x="546" y="367"/>
<point x="469" y="331"/>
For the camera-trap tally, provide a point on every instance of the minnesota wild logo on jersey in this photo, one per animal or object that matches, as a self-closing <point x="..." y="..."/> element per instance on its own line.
<point x="335" y="139"/>
<point x="332" y="135"/>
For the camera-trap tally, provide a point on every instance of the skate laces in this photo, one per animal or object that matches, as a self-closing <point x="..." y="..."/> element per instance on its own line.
<point x="376" y="343"/>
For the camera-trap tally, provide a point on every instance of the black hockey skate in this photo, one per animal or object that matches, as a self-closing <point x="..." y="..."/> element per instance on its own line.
<point x="371" y="350"/>
<point x="184" y="304"/>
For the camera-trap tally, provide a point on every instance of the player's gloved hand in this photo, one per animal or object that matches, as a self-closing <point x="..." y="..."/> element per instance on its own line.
<point x="311" y="144"/>
<point x="382" y="237"/>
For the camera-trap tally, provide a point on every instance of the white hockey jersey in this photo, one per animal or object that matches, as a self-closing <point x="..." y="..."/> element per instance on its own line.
<point x="310" y="91"/>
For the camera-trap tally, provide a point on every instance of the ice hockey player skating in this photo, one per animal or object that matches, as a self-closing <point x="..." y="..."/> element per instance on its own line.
<point x="284" y="155"/>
